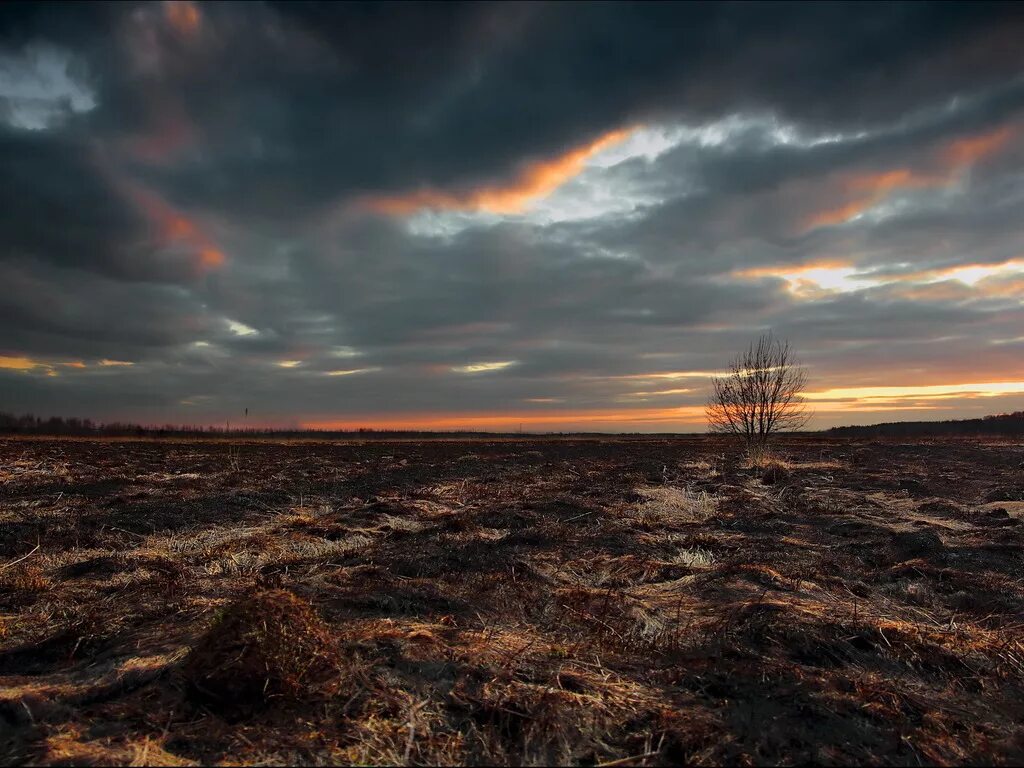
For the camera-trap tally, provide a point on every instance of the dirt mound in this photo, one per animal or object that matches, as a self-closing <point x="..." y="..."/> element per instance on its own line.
<point x="269" y="645"/>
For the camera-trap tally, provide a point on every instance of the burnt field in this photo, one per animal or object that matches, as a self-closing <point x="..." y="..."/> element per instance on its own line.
<point x="636" y="601"/>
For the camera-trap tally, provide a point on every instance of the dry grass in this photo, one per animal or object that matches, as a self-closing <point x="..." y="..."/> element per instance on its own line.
<point x="693" y="558"/>
<point x="633" y="602"/>
<point x="665" y="504"/>
<point x="765" y="457"/>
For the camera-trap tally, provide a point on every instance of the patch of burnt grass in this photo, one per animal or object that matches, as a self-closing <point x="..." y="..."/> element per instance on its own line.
<point x="906" y="545"/>
<point x="270" y="645"/>
<point x="105" y="566"/>
<point x="21" y="587"/>
<point x="498" y="612"/>
<point x="1004" y="493"/>
<point x="77" y="639"/>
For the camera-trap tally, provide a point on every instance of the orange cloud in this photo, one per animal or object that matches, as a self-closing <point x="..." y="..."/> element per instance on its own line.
<point x="176" y="228"/>
<point x="790" y="271"/>
<point x="865" y="190"/>
<point x="49" y="367"/>
<point x="670" y="375"/>
<point x="534" y="181"/>
<point x="173" y="227"/>
<point x="877" y="398"/>
<point x="27" y="365"/>
<point x="1002" y="289"/>
<point x="19" y="363"/>
<point x="969" y="150"/>
<point x="964" y="281"/>
<point x="944" y="291"/>
<point x="183" y="16"/>
<point x="875" y="408"/>
<point x="171" y="132"/>
<point x="659" y="392"/>
<point x="211" y="257"/>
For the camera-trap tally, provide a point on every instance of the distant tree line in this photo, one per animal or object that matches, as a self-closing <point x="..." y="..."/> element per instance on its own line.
<point x="29" y="424"/>
<point x="1005" y="424"/>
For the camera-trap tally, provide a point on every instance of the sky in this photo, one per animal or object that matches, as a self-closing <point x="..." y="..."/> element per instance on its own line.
<point x="546" y="217"/>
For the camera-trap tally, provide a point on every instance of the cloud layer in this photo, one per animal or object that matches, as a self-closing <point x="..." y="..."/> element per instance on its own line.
<point x="502" y="215"/>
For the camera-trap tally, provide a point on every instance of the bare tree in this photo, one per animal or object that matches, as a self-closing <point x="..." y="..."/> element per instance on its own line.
<point x="760" y="395"/>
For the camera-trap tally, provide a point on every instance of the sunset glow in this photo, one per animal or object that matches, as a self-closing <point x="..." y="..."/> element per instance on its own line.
<point x="593" y="420"/>
<point x="18" y="363"/>
<point x="811" y="280"/>
<point x="866" y="394"/>
<point x="534" y="181"/>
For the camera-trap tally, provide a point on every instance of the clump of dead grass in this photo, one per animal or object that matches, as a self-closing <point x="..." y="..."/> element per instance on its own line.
<point x="693" y="558"/>
<point x="269" y="645"/>
<point x="701" y="468"/>
<point x="759" y="456"/>
<point x="667" y="504"/>
<point x="763" y="458"/>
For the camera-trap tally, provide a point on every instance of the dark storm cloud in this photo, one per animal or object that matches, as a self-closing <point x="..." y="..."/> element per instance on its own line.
<point x="64" y="311"/>
<point x="297" y="104"/>
<point x="46" y="180"/>
<point x="57" y="204"/>
<point x="182" y="188"/>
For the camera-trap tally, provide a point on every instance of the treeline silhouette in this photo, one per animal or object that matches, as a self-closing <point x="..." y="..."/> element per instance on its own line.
<point x="29" y="424"/>
<point x="1005" y="424"/>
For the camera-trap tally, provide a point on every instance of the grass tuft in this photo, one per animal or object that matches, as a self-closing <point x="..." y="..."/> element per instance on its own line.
<point x="666" y="504"/>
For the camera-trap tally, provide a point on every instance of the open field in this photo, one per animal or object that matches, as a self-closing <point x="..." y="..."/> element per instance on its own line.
<point x="645" y="601"/>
